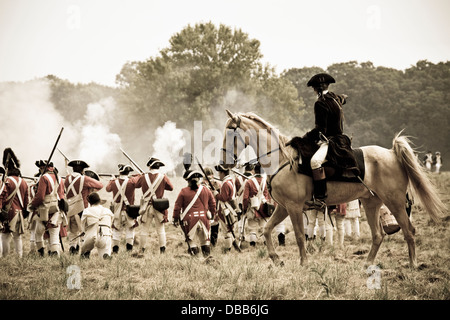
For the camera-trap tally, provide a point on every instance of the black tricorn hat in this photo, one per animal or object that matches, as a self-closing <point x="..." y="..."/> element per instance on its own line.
<point x="154" y="163"/>
<point x="221" y="168"/>
<point x="319" y="78"/>
<point x="42" y="163"/>
<point x="78" y="163"/>
<point x="189" y="174"/>
<point x="125" y="168"/>
<point x="92" y="174"/>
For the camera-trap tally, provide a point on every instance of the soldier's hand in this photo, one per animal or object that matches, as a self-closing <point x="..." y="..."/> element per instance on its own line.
<point x="176" y="222"/>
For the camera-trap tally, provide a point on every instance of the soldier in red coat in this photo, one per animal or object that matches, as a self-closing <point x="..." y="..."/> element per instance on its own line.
<point x="227" y="211"/>
<point x="255" y="195"/>
<point x="123" y="190"/>
<point x="49" y="216"/>
<point x="191" y="210"/>
<point x="13" y="203"/>
<point x="78" y="186"/>
<point x="153" y="184"/>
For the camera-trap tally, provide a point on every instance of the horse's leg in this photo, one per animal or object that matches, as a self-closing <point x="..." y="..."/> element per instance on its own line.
<point x="277" y="217"/>
<point x="296" y="214"/>
<point x="398" y="209"/>
<point x="371" y="207"/>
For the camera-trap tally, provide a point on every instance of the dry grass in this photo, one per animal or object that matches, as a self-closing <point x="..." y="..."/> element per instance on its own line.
<point x="331" y="273"/>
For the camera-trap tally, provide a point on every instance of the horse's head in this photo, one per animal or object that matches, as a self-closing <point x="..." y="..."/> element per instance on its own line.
<point x="233" y="142"/>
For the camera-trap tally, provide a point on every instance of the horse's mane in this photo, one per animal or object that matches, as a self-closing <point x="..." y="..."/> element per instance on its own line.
<point x="282" y="138"/>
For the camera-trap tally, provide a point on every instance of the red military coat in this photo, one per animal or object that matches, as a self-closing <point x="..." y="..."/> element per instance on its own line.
<point x="20" y="196"/>
<point x="250" y="190"/>
<point x="159" y="193"/>
<point x="227" y="193"/>
<point x="129" y="189"/>
<point x="197" y="213"/>
<point x="89" y="183"/>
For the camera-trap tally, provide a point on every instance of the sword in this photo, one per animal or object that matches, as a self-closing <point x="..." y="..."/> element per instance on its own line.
<point x="80" y="235"/>
<point x="132" y="162"/>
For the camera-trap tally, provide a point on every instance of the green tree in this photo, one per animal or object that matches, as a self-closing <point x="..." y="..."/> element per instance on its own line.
<point x="204" y="70"/>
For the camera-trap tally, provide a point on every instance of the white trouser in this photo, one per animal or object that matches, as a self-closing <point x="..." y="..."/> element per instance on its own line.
<point x="123" y="224"/>
<point x="280" y="228"/>
<point x="55" y="245"/>
<point x="147" y="218"/>
<point x="338" y="222"/>
<point x="95" y="238"/>
<point x="316" y="221"/>
<point x="319" y="157"/>
<point x="6" y="240"/>
<point x="352" y="227"/>
<point x="255" y="226"/>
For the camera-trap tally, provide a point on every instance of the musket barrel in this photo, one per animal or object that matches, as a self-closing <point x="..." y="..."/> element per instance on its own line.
<point x="132" y="161"/>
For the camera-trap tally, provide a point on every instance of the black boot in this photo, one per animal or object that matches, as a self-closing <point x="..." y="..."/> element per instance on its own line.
<point x="162" y="249"/>
<point x="214" y="234"/>
<point x="86" y="255"/>
<point x="281" y="239"/>
<point x="193" y="251"/>
<point x="53" y="253"/>
<point x="206" y="250"/>
<point x="72" y="251"/>
<point x="41" y="252"/>
<point x="129" y="247"/>
<point x="320" y="189"/>
<point x="115" y="249"/>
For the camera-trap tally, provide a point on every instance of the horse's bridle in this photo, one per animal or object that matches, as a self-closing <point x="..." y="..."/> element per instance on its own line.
<point x="235" y="134"/>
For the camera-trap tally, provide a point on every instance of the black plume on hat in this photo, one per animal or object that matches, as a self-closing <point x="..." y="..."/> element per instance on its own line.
<point x="320" y="78"/>
<point x="10" y="160"/>
<point x="187" y="160"/>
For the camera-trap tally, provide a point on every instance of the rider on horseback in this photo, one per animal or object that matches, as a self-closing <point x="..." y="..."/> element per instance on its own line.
<point x="328" y="135"/>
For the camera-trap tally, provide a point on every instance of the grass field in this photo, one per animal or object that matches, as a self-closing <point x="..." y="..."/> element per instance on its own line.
<point x="332" y="273"/>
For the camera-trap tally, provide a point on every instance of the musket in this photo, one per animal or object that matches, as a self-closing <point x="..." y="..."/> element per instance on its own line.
<point x="108" y="175"/>
<point x="80" y="235"/>
<point x="30" y="178"/>
<point x="204" y="173"/>
<point x="53" y="150"/>
<point x="65" y="157"/>
<point x="67" y="161"/>
<point x="132" y="162"/>
<point x="241" y="174"/>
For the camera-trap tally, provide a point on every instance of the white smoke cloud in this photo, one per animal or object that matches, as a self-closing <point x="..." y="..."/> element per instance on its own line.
<point x="30" y="125"/>
<point x="169" y="141"/>
<point x="98" y="144"/>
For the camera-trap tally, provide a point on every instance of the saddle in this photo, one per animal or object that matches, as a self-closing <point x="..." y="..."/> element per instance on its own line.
<point x="333" y="171"/>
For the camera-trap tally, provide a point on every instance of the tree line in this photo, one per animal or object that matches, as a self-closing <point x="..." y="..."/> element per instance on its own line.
<point x="208" y="68"/>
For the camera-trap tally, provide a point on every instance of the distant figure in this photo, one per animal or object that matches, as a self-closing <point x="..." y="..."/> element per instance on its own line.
<point x="351" y="222"/>
<point x="437" y="160"/>
<point x="428" y="160"/>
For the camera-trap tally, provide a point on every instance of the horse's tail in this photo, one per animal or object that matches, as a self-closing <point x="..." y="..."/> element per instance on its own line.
<point x="421" y="185"/>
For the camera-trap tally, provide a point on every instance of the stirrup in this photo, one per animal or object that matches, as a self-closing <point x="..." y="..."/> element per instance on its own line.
<point x="317" y="204"/>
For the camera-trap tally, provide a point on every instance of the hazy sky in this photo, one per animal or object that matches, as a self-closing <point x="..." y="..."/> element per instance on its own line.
<point x="90" y="40"/>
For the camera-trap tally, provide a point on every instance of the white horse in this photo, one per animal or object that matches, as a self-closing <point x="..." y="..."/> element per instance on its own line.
<point x="387" y="174"/>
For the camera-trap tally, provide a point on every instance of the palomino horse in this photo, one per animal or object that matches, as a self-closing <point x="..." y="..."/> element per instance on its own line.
<point x="387" y="174"/>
